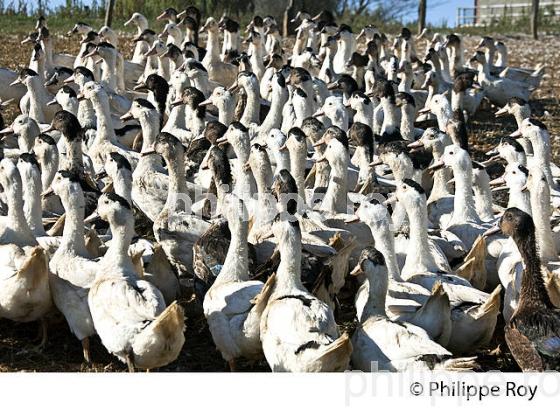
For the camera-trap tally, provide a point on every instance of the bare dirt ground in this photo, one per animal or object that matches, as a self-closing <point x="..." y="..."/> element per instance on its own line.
<point x="63" y="352"/>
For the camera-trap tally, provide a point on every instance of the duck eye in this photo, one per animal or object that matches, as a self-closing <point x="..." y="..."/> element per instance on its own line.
<point x="451" y="153"/>
<point x="106" y="202"/>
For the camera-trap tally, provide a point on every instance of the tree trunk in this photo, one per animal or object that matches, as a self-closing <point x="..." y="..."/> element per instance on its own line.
<point x="535" y="19"/>
<point x="421" y="15"/>
<point x="287" y="17"/>
<point x="109" y="13"/>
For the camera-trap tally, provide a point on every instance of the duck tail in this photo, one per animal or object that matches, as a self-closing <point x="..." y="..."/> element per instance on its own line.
<point x="336" y="356"/>
<point x="162" y="340"/>
<point x="261" y="300"/>
<point x="491" y="306"/>
<point x="35" y="267"/>
<point x="459" y="364"/>
<point x="474" y="268"/>
<point x="437" y="305"/>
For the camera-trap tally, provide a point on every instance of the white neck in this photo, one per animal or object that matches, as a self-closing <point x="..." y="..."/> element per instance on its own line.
<point x="463" y="204"/>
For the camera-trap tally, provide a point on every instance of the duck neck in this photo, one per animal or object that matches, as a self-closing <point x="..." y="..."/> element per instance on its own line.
<point x="75" y="159"/>
<point x="440" y="188"/>
<point x="288" y="274"/>
<point x="117" y="253"/>
<point x="36" y="101"/>
<point x="298" y="159"/>
<point x="385" y="243"/>
<point x="226" y="112"/>
<point x="457" y="100"/>
<point x="443" y="117"/>
<point x="108" y="77"/>
<point x="73" y="232"/>
<point x="105" y="130"/>
<point x="541" y="150"/>
<point x="86" y="114"/>
<point x="362" y="159"/>
<point x="335" y="200"/>
<point x="236" y="264"/>
<point x="274" y="116"/>
<point x="419" y="258"/>
<point x="390" y="118"/>
<point x="483" y="197"/>
<point x="212" y="48"/>
<point x="16" y="215"/>
<point x="519" y="199"/>
<point x="406" y="84"/>
<point x="150" y="129"/>
<point x="252" y="107"/>
<point x="122" y="184"/>
<point x="177" y="183"/>
<point x="533" y="292"/>
<point x="26" y="140"/>
<point x="463" y="203"/>
<point x="540" y="207"/>
<point x="32" y="205"/>
<point x="407" y="123"/>
<point x="49" y="166"/>
<point x="375" y="305"/>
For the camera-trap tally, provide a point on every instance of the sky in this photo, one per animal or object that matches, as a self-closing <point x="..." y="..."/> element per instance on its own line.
<point x="446" y="11"/>
<point x="443" y="11"/>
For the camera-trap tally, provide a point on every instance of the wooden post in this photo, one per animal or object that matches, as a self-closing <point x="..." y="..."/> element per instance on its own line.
<point x="421" y="15"/>
<point x="286" y="21"/>
<point x="109" y="12"/>
<point x="535" y="19"/>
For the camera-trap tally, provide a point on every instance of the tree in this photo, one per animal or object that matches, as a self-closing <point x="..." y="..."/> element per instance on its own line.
<point x="421" y="15"/>
<point x="109" y="12"/>
<point x="535" y="19"/>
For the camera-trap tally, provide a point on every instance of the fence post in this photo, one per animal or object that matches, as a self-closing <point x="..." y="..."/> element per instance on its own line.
<point x="535" y="19"/>
<point x="421" y="15"/>
<point x="110" y="5"/>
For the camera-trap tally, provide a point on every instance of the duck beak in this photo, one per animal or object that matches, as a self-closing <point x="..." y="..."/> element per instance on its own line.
<point x="127" y="22"/>
<point x="16" y="82"/>
<point x="69" y="79"/>
<point x="92" y="218"/>
<point x="357" y="270"/>
<point x="221" y="140"/>
<point x="146" y="153"/>
<point x="516" y="134"/>
<point x="424" y="110"/>
<point x="375" y="163"/>
<point x="101" y="175"/>
<point x="492" y="231"/>
<point x="152" y="51"/>
<point x="352" y="219"/>
<point x="49" y="192"/>
<point x="181" y="14"/>
<point x="321" y="159"/>
<point x="140" y="87"/>
<point x="319" y="143"/>
<point x="234" y="87"/>
<point x="205" y="103"/>
<point x="161" y="16"/>
<point x="283" y="148"/>
<point x="80" y="97"/>
<point x="6" y="103"/>
<point x="502" y="112"/>
<point x="498" y="181"/>
<point x="176" y="103"/>
<point x="52" y="102"/>
<point x="50" y="128"/>
<point x="7" y="131"/>
<point x="246" y="167"/>
<point x="436" y="166"/>
<point x="416" y="144"/>
<point x="127" y="116"/>
<point x="332" y="86"/>
<point x="319" y="113"/>
<point x="391" y="200"/>
<point x="451" y="181"/>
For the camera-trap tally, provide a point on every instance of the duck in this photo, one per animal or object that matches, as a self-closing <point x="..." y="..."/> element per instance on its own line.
<point x="177" y="229"/>
<point x="130" y="314"/>
<point x="234" y="304"/>
<point x="25" y="294"/>
<point x="72" y="268"/>
<point x="149" y="178"/>
<point x="218" y="71"/>
<point x="141" y="47"/>
<point x="531" y="333"/>
<point x="383" y="344"/>
<point x="298" y="331"/>
<point x="498" y="90"/>
<point x="34" y="103"/>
